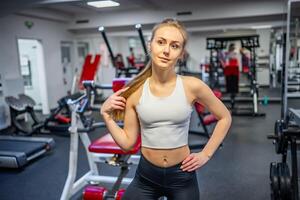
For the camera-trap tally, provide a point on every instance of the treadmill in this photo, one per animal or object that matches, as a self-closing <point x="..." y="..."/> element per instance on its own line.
<point x="17" y="151"/>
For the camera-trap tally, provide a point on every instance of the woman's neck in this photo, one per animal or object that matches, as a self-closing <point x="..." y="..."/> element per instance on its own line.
<point x="162" y="76"/>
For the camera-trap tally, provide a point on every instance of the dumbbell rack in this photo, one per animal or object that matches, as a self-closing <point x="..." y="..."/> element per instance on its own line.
<point x="284" y="186"/>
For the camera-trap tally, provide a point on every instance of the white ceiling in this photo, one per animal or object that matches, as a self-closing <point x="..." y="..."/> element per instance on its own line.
<point x="75" y="7"/>
<point x="72" y="10"/>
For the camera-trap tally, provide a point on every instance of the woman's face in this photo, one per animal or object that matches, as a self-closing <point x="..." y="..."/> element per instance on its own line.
<point x="166" y="47"/>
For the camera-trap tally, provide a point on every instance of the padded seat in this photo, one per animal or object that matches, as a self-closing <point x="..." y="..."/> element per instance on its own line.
<point x="106" y="144"/>
<point x="209" y="119"/>
<point x="217" y="93"/>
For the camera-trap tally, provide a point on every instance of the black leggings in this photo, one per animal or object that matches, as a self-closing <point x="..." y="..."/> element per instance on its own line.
<point x="151" y="182"/>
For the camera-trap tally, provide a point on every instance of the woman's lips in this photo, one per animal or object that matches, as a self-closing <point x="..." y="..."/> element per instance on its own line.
<point x="164" y="59"/>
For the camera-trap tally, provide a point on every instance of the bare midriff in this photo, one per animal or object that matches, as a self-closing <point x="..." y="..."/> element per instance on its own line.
<point x="166" y="157"/>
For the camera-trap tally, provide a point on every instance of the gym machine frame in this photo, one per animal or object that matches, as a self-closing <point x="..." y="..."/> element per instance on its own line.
<point x="284" y="186"/>
<point x="127" y="71"/>
<point x="79" y="129"/>
<point x="138" y="27"/>
<point x="287" y="132"/>
<point x="250" y="42"/>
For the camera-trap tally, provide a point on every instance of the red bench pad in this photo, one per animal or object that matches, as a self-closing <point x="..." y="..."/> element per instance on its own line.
<point x="209" y="119"/>
<point x="106" y="144"/>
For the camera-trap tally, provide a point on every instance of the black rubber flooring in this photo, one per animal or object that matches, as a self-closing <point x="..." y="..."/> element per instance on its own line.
<point x="238" y="170"/>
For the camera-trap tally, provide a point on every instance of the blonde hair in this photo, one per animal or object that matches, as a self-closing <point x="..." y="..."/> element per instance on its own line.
<point x="140" y="79"/>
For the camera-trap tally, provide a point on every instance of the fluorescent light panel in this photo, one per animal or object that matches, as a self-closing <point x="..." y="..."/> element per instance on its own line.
<point x="103" y="4"/>
<point x="261" y="26"/>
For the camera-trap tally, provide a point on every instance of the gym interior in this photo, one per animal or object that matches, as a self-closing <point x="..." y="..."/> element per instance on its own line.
<point x="60" y="60"/>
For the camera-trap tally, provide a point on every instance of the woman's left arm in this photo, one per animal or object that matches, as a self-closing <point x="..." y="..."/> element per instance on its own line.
<point x="204" y="95"/>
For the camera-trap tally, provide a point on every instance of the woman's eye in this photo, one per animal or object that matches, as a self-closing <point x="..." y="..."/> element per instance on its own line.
<point x="160" y="42"/>
<point x="175" y="46"/>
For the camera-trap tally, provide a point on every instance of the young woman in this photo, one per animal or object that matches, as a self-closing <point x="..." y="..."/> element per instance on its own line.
<point x="157" y="104"/>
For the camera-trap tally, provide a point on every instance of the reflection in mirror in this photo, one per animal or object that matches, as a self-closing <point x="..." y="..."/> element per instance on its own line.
<point x="292" y="69"/>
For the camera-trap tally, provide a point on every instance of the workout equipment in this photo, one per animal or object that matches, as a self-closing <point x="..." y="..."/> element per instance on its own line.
<point x="88" y="72"/>
<point x="103" y="150"/>
<point x="231" y="71"/>
<point x="57" y="122"/>
<point x="141" y="36"/>
<point x="205" y="120"/>
<point x="59" y="119"/>
<point x="293" y="62"/>
<point x="117" y="61"/>
<point x="119" y="83"/>
<point x="19" y="106"/>
<point x="89" y="69"/>
<point x="274" y="181"/>
<point x="17" y="151"/>
<point x="284" y="185"/>
<point x="280" y="181"/>
<point x="290" y="67"/>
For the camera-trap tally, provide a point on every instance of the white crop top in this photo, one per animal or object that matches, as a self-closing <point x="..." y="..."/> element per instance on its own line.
<point x="164" y="121"/>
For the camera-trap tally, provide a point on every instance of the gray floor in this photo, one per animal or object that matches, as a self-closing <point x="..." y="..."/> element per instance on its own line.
<point x="238" y="170"/>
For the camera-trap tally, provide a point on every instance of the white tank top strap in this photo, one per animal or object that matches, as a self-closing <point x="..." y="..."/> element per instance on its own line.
<point x="144" y="92"/>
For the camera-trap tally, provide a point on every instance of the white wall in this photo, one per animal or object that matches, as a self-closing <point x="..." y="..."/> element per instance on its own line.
<point x="51" y="33"/>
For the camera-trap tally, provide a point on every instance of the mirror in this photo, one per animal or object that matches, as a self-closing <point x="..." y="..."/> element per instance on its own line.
<point x="292" y="70"/>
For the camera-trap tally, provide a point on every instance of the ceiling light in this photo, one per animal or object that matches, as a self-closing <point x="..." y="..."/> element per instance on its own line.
<point x="261" y="27"/>
<point x="101" y="29"/>
<point x="103" y="4"/>
<point x="137" y="26"/>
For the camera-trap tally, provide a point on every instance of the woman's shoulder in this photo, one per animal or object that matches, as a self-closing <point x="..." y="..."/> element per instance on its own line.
<point x="196" y="86"/>
<point x="192" y="82"/>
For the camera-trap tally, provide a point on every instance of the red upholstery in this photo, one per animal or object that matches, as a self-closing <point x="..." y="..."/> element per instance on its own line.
<point x="139" y="65"/>
<point x="209" y="119"/>
<point x="119" y="83"/>
<point x="62" y="119"/>
<point x="206" y="67"/>
<point x="106" y="144"/>
<point x="199" y="107"/>
<point x="218" y="93"/>
<point x="131" y="60"/>
<point x="92" y="192"/>
<point x="89" y="69"/>
<point x="119" y="63"/>
<point x="120" y="194"/>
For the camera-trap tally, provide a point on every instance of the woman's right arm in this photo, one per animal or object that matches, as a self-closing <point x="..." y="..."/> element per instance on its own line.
<point x="125" y="137"/>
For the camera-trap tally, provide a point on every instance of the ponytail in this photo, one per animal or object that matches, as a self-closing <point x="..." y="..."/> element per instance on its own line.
<point x="133" y="85"/>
